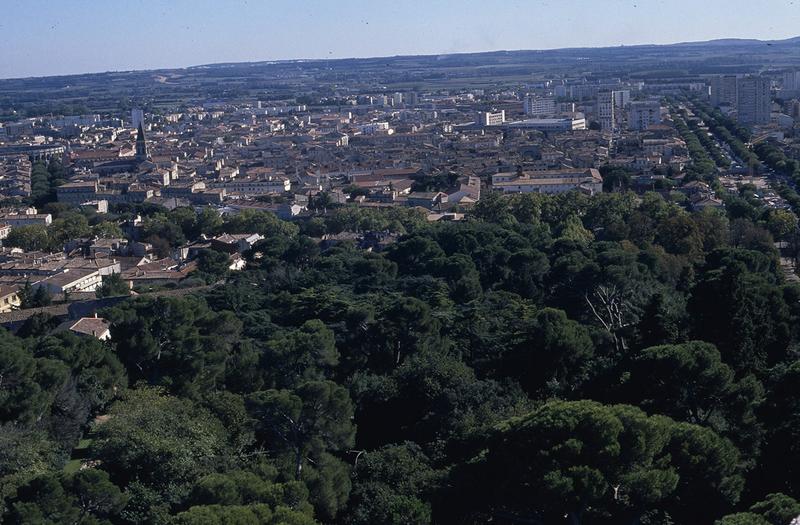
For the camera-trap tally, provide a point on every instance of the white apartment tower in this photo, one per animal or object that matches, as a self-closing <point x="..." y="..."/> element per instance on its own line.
<point x="605" y="110"/>
<point x="753" y="100"/>
<point x="723" y="90"/>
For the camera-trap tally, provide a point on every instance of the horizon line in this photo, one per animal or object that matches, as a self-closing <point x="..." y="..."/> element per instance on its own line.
<point x="401" y="55"/>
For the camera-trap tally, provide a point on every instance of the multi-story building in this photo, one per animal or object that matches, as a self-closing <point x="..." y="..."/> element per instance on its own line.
<point x="25" y="219"/>
<point x="791" y="81"/>
<point x="622" y="98"/>
<point x="753" y="100"/>
<point x="549" y="124"/>
<point x="643" y="114"/>
<point x="539" y="106"/>
<point x="492" y="118"/>
<point x="606" y="110"/>
<point x="556" y="181"/>
<point x="724" y="89"/>
<point x="254" y="185"/>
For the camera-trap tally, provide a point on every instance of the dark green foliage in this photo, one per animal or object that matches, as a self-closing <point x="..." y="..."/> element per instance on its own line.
<point x="86" y="497"/>
<point x="553" y="358"/>
<point x="112" y="286"/>
<point x="582" y="455"/>
<point x="213" y="264"/>
<point x="178" y="343"/>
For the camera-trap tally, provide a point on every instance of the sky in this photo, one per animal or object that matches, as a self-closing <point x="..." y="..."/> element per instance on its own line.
<point x="56" y="37"/>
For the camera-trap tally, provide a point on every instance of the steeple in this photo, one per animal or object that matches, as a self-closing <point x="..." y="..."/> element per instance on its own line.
<point x="141" y="144"/>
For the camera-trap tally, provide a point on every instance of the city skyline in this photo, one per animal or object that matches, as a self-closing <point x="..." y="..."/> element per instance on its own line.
<point x="84" y="37"/>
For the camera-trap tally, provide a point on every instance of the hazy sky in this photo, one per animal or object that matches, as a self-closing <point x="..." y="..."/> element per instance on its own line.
<point x="50" y="37"/>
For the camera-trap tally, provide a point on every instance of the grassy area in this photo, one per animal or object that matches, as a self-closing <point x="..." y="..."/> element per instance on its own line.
<point x="78" y="455"/>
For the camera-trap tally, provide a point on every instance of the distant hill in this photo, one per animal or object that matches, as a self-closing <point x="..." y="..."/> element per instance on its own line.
<point x="712" y="45"/>
<point x="115" y="92"/>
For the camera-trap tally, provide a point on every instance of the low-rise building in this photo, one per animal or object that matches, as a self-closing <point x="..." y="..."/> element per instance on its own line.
<point x="557" y="181"/>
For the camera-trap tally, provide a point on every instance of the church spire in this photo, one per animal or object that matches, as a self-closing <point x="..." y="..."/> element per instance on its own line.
<point x="141" y="144"/>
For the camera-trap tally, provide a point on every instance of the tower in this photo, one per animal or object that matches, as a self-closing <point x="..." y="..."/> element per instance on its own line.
<point x="753" y="100"/>
<point x="141" y="145"/>
<point x="605" y="110"/>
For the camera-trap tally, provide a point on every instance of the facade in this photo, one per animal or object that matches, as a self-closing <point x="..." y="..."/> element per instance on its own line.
<point x="606" y="110"/>
<point x="549" y="124"/>
<point x="753" y="100"/>
<point x="26" y="219"/>
<point x="77" y="192"/>
<point x="539" y="106"/>
<point x="643" y="114"/>
<point x="489" y="118"/>
<point x="622" y="99"/>
<point x="255" y="186"/>
<point x="9" y="298"/>
<point x="72" y="280"/>
<point x="556" y="181"/>
<point x="724" y="89"/>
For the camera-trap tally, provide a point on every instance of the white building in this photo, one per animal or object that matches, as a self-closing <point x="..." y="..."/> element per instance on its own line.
<point x="753" y="100"/>
<point x="539" y="106"/>
<point x="489" y="118"/>
<point x="643" y="114"/>
<point x="549" y="124"/>
<point x="606" y="114"/>
<point x="556" y="181"/>
<point x="374" y="127"/>
<point x="255" y="185"/>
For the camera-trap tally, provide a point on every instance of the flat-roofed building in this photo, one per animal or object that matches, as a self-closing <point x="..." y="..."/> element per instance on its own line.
<point x="554" y="181"/>
<point x="492" y="118"/>
<point x="643" y="114"/>
<point x="549" y="124"/>
<point x="539" y="106"/>
<point x="753" y="100"/>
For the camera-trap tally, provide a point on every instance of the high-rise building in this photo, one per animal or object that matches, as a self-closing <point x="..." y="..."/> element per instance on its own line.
<point x="723" y="90"/>
<point x="539" y="106"/>
<point x="397" y="99"/>
<point x="412" y="99"/>
<point x="643" y="114"/>
<point x="753" y="100"/>
<point x="605" y="110"/>
<point x="791" y="81"/>
<point x="622" y="98"/>
<point x="137" y="118"/>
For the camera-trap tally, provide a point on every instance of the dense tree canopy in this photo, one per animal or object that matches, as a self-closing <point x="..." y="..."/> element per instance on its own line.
<point x="551" y="359"/>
